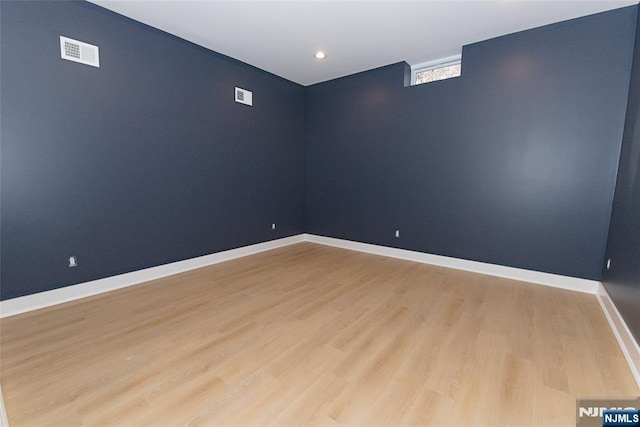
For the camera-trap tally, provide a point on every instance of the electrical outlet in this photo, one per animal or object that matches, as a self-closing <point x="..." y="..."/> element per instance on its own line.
<point x="73" y="261"/>
<point x="609" y="264"/>
<point x="273" y="226"/>
<point x="397" y="234"/>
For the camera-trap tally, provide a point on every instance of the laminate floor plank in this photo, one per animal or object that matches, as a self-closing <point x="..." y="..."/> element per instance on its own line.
<point x="313" y="335"/>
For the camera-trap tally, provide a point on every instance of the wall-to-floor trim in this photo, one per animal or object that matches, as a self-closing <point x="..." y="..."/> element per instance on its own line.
<point x="32" y="302"/>
<point x="554" y="280"/>
<point x="4" y="419"/>
<point x="627" y="342"/>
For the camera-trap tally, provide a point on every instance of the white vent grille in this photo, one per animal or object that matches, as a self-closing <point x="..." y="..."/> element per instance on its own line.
<point x="76" y="51"/>
<point x="244" y="96"/>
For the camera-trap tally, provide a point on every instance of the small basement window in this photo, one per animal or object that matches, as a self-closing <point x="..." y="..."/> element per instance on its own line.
<point x="441" y="69"/>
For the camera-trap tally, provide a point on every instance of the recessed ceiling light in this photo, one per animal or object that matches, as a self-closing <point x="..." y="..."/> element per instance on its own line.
<point x="320" y="55"/>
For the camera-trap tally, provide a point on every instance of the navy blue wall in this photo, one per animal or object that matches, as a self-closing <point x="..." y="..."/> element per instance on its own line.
<point x="622" y="281"/>
<point x="514" y="163"/>
<point x="143" y="161"/>
<point x="148" y="160"/>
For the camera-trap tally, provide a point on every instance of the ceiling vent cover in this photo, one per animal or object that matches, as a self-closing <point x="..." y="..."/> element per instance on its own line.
<point x="76" y="51"/>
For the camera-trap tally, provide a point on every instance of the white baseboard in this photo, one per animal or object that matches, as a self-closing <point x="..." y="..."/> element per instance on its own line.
<point x="627" y="343"/>
<point x="4" y="419"/>
<point x="554" y="280"/>
<point x="32" y="302"/>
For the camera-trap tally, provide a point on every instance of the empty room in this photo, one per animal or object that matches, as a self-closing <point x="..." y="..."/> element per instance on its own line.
<point x="332" y="213"/>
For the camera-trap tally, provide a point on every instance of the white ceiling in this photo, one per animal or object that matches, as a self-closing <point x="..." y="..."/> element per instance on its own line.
<point x="282" y="36"/>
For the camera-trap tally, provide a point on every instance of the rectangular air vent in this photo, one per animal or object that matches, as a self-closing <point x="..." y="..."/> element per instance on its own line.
<point x="244" y="96"/>
<point x="76" y="51"/>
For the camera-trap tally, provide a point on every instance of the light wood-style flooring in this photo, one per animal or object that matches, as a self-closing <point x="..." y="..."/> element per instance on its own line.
<point x="313" y="335"/>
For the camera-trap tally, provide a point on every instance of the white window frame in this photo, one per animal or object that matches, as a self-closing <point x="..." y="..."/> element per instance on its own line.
<point x="430" y="65"/>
